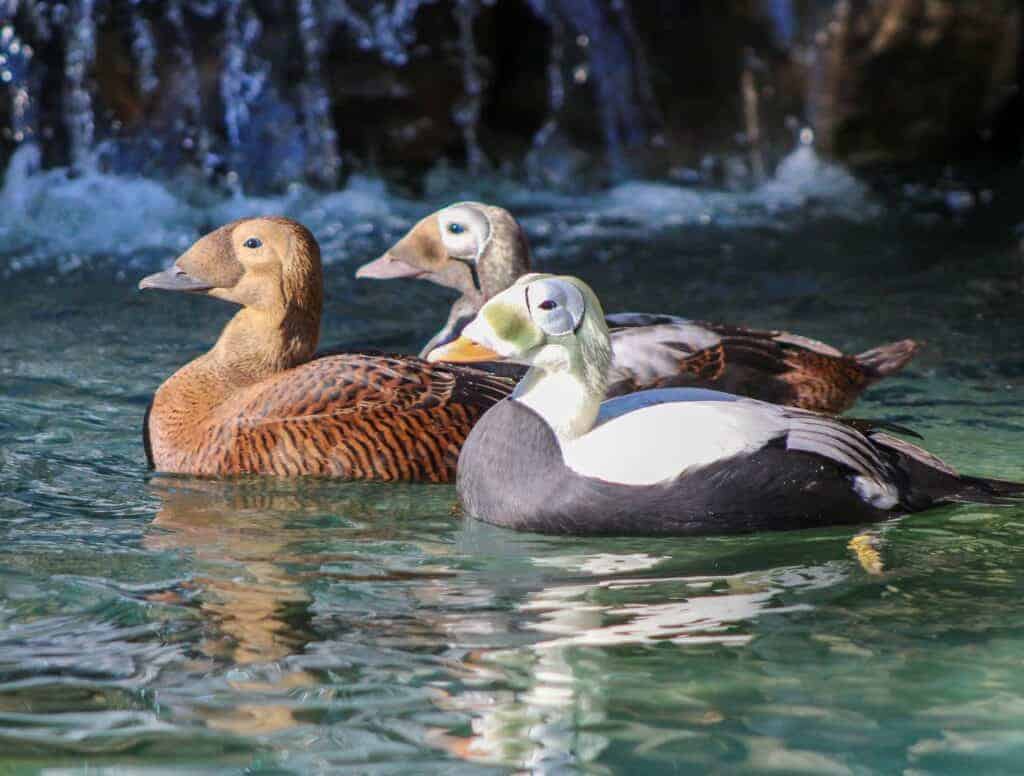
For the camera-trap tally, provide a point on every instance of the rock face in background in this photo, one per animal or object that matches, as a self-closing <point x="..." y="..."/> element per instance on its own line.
<point x="914" y="80"/>
<point x="260" y="93"/>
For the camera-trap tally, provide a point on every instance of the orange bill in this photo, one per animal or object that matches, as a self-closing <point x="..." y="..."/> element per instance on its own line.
<point x="462" y="351"/>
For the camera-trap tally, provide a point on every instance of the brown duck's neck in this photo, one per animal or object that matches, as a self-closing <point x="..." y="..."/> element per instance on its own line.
<point x="255" y="345"/>
<point x="259" y="343"/>
<point x="470" y="302"/>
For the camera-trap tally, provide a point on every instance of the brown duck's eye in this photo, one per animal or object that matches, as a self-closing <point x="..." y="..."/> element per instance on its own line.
<point x="548" y="304"/>
<point x="253" y="243"/>
<point x="456" y="228"/>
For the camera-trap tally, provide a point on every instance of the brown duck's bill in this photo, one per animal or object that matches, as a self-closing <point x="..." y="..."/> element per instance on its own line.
<point x="173" y="278"/>
<point x="462" y="351"/>
<point x="387" y="267"/>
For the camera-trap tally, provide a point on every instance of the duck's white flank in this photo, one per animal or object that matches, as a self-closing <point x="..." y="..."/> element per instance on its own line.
<point x="882" y="495"/>
<point x="659" y="442"/>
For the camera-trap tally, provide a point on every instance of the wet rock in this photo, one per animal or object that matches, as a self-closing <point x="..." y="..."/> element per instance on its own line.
<point x="259" y="93"/>
<point x="915" y="80"/>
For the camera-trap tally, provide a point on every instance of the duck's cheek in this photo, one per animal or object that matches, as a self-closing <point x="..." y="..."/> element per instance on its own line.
<point x="245" y="293"/>
<point x="509" y="335"/>
<point x="452" y="273"/>
<point x="509" y="324"/>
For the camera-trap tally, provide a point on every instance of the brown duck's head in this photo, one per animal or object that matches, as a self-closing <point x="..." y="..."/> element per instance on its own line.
<point x="268" y="263"/>
<point x="474" y="248"/>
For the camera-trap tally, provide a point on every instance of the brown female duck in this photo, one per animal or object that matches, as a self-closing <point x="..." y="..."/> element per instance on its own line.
<point x="480" y="250"/>
<point x="261" y="402"/>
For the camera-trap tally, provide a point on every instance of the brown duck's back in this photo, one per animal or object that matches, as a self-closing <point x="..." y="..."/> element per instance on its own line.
<point x="351" y="416"/>
<point x="662" y="352"/>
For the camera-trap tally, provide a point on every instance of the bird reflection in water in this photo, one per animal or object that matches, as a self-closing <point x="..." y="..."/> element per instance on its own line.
<point x="254" y="607"/>
<point x="242" y="544"/>
<point x="497" y="628"/>
<point x="261" y="549"/>
<point x="607" y="600"/>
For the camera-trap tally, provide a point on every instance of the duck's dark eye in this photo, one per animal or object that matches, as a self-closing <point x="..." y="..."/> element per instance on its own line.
<point x="253" y="243"/>
<point x="455" y="228"/>
<point x="548" y="304"/>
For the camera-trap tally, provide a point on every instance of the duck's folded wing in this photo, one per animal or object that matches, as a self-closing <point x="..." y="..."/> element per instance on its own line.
<point x="349" y="384"/>
<point x="360" y="417"/>
<point x="652" y="351"/>
<point x="649" y="349"/>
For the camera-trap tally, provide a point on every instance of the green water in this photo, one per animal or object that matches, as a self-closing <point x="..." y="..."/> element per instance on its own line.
<point x="153" y="624"/>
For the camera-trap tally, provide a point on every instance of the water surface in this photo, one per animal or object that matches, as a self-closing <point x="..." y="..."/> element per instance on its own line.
<point x="151" y="624"/>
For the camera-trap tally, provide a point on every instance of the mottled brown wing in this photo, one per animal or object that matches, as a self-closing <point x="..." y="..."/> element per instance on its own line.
<point x="662" y="352"/>
<point x="773" y="336"/>
<point x="763" y="366"/>
<point x="798" y="371"/>
<point x="358" y="416"/>
<point x="746" y="366"/>
<point x="648" y="351"/>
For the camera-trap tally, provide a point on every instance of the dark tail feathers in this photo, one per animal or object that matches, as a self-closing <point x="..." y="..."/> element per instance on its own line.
<point x="889" y="358"/>
<point x="981" y="490"/>
<point x="928" y="480"/>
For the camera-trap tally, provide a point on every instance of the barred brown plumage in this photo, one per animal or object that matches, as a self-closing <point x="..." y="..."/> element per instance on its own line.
<point x="260" y="402"/>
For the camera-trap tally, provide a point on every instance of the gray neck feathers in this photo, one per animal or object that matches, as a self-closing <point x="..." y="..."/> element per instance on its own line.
<point x="507" y="255"/>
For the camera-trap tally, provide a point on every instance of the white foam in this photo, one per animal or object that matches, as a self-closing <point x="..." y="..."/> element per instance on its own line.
<point x="55" y="212"/>
<point x="803" y="178"/>
<point x="660" y="202"/>
<point x="49" y="215"/>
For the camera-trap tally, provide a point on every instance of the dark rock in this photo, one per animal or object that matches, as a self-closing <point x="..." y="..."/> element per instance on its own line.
<point x="914" y="80"/>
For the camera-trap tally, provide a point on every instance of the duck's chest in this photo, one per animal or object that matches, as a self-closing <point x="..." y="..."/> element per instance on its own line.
<point x="182" y="433"/>
<point x="510" y="470"/>
<point x="182" y="441"/>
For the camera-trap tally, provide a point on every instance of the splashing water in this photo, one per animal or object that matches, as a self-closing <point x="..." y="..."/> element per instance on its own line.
<point x="258" y="108"/>
<point x="80" y="33"/>
<point x="324" y="164"/>
<point x="144" y="222"/>
<point x="386" y="29"/>
<point x="21" y="83"/>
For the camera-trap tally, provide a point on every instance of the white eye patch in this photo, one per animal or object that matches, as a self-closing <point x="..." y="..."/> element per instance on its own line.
<point x="556" y="306"/>
<point x="465" y="231"/>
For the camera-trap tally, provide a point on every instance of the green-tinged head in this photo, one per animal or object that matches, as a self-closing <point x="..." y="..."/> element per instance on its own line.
<point x="554" y="322"/>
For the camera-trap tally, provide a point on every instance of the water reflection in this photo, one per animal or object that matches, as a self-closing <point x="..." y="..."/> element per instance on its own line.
<point x="262" y="551"/>
<point x="585" y="607"/>
<point x="318" y="602"/>
<point x="253" y="606"/>
<point x="241" y="543"/>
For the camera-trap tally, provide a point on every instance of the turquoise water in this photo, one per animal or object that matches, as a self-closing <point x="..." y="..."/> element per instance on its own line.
<point x="153" y="624"/>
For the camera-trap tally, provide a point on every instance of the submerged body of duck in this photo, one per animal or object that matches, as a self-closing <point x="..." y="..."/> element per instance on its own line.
<point x="261" y="402"/>
<point x="480" y="250"/>
<point x="552" y="458"/>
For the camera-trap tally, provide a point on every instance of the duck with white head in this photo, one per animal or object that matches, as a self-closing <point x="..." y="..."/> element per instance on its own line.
<point x="555" y="458"/>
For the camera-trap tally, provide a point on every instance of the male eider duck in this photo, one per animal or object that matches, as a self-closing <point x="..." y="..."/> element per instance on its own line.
<point x="480" y="250"/>
<point x="553" y="459"/>
<point x="261" y="402"/>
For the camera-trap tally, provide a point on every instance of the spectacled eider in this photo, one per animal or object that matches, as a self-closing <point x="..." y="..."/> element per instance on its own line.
<point x="553" y="458"/>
